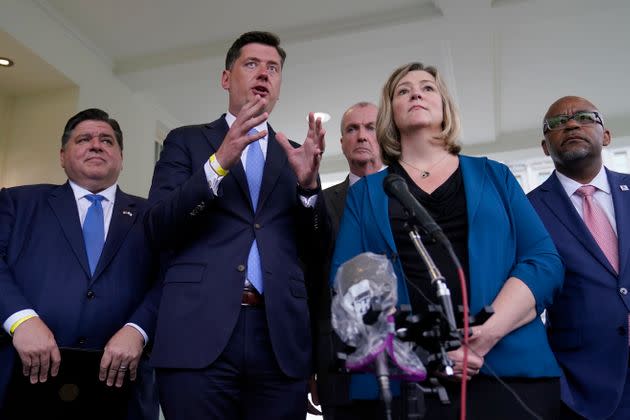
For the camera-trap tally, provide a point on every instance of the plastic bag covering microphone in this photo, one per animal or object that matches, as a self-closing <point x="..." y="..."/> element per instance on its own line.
<point x="362" y="316"/>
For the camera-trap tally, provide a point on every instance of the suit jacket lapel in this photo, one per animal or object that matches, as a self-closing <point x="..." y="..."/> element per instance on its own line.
<point x="621" y="202"/>
<point x="64" y="206"/>
<point x="124" y="215"/>
<point x="339" y="202"/>
<point x="275" y="162"/>
<point x="555" y="198"/>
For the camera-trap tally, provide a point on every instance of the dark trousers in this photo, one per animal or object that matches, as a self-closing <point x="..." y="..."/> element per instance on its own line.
<point x="245" y="382"/>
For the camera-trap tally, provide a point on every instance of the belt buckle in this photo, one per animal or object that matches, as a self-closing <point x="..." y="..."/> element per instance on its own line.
<point x="250" y="297"/>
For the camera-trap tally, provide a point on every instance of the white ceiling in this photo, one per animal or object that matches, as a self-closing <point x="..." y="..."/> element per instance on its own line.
<point x="30" y="74"/>
<point x="504" y="60"/>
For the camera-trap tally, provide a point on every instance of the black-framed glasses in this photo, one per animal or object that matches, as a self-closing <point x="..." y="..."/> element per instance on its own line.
<point x="559" y="122"/>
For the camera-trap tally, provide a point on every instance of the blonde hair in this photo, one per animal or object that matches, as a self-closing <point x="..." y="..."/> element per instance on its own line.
<point x="388" y="134"/>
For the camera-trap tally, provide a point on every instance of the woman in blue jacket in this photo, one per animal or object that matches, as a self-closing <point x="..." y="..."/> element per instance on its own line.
<point x="509" y="259"/>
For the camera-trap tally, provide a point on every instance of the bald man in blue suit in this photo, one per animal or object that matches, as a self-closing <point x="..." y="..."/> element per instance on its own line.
<point x="588" y="329"/>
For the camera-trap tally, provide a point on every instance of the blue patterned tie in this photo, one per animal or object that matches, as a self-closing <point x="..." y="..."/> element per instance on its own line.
<point x="255" y="165"/>
<point x="94" y="230"/>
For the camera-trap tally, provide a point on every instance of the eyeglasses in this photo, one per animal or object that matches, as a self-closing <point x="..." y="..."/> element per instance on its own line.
<point x="581" y="117"/>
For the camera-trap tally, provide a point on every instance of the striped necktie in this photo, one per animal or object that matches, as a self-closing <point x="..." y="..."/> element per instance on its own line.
<point x="599" y="225"/>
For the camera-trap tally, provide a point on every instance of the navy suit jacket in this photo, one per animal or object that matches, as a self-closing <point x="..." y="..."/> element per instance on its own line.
<point x="206" y="241"/>
<point x="335" y="203"/>
<point x="44" y="266"/>
<point x="589" y="321"/>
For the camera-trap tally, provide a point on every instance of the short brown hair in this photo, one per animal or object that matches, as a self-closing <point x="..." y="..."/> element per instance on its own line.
<point x="388" y="134"/>
<point x="253" y="37"/>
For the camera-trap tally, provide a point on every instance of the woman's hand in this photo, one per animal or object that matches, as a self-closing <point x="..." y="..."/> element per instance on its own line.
<point x="475" y="362"/>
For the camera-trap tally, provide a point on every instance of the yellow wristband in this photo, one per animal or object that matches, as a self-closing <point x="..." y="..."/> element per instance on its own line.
<point x="19" y="322"/>
<point x="216" y="166"/>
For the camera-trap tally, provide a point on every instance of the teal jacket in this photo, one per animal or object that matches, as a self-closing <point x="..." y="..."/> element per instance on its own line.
<point x="505" y="239"/>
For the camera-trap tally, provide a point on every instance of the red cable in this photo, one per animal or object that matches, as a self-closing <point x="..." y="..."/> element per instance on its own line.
<point x="462" y="408"/>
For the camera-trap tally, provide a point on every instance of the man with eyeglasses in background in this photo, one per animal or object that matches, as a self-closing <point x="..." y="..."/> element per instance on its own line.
<point x="586" y="208"/>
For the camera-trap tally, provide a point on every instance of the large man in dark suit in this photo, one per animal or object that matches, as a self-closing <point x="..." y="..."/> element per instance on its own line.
<point x="586" y="209"/>
<point x="75" y="267"/>
<point x="232" y="208"/>
<point x="361" y="149"/>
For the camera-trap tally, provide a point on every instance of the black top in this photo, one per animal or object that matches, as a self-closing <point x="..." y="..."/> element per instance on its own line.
<point x="447" y="206"/>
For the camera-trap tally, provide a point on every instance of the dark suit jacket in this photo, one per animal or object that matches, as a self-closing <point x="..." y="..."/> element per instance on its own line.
<point x="589" y="321"/>
<point x="206" y="240"/>
<point x="335" y="197"/>
<point x="332" y="386"/>
<point x="44" y="266"/>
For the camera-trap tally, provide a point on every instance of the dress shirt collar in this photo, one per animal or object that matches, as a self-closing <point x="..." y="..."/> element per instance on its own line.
<point x="229" y="118"/>
<point x="354" y="178"/>
<point x="80" y="192"/>
<point x="600" y="182"/>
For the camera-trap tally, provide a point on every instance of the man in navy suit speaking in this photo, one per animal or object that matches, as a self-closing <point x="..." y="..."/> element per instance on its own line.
<point x="75" y="271"/>
<point x="236" y="210"/>
<point x="586" y="208"/>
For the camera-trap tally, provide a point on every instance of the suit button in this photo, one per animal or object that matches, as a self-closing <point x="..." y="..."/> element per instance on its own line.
<point x="257" y="225"/>
<point x="623" y="291"/>
<point x="240" y="268"/>
<point x="90" y="294"/>
<point x="622" y="330"/>
<point x="82" y="341"/>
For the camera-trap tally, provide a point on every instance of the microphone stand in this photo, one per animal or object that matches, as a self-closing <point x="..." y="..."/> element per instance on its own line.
<point x="412" y="400"/>
<point x="443" y="294"/>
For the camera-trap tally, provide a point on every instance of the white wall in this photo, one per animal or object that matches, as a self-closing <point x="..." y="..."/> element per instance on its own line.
<point x="31" y="149"/>
<point x="5" y="119"/>
<point x="55" y="42"/>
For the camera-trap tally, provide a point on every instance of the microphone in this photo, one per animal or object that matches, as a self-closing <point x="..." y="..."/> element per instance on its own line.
<point x="362" y="316"/>
<point x="396" y="187"/>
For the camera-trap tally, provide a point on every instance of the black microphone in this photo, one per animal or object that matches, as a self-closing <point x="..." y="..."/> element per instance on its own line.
<point x="396" y="187"/>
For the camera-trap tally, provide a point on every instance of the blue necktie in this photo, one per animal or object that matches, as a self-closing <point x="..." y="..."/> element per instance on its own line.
<point x="255" y="165"/>
<point x="94" y="230"/>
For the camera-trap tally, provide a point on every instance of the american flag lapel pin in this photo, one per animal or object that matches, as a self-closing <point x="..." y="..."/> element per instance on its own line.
<point x="623" y="187"/>
<point x="127" y="213"/>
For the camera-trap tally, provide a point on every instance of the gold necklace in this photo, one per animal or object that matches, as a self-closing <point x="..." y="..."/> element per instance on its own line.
<point x="425" y="173"/>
